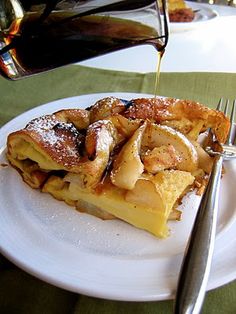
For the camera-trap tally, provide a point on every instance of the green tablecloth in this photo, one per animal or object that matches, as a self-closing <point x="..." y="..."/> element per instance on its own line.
<point x="22" y="293"/>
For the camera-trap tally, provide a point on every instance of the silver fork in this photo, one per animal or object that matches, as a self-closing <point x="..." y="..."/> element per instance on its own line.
<point x="196" y="264"/>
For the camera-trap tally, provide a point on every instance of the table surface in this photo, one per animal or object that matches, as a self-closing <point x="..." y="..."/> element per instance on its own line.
<point x="210" y="47"/>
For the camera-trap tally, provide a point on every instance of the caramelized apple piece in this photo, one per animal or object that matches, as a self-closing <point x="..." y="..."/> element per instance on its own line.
<point x="164" y="110"/>
<point x="205" y="161"/>
<point x="160" y="158"/>
<point x="79" y="117"/>
<point x="128" y="166"/>
<point x="100" y="140"/>
<point x="106" y="107"/>
<point x="125" y="127"/>
<point x="159" y="135"/>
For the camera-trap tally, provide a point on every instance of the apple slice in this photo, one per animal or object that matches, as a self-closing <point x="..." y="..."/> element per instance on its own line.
<point x="160" y="158"/>
<point x="205" y="161"/>
<point x="101" y="138"/>
<point x="128" y="166"/>
<point x="159" y="135"/>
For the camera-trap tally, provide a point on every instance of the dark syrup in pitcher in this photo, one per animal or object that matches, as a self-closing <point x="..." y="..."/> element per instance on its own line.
<point x="30" y="47"/>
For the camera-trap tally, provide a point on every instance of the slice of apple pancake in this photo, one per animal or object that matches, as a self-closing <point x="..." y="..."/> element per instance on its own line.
<point x="133" y="161"/>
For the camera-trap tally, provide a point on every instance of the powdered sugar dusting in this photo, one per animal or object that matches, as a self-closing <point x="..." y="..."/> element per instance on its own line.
<point x="60" y="139"/>
<point x="44" y="127"/>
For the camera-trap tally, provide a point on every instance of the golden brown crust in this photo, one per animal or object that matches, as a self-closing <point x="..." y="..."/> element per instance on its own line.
<point x="58" y="141"/>
<point x="105" y="107"/>
<point x="171" y="109"/>
<point x="79" y="117"/>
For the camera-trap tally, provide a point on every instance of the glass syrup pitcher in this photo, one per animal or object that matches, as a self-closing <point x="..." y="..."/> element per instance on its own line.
<point x="37" y="36"/>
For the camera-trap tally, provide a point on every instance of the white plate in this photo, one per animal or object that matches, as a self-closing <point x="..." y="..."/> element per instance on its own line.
<point x="203" y="15"/>
<point x="108" y="259"/>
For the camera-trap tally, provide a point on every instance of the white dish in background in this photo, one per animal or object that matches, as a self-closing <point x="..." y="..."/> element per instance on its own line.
<point x="107" y="259"/>
<point x="203" y="15"/>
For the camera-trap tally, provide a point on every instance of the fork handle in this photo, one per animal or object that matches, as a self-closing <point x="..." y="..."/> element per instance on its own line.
<point x="196" y="264"/>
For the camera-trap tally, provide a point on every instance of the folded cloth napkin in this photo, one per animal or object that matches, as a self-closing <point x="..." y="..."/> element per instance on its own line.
<point x="21" y="292"/>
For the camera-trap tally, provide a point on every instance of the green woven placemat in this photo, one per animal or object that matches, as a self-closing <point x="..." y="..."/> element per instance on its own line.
<point x="19" y="96"/>
<point x="22" y="293"/>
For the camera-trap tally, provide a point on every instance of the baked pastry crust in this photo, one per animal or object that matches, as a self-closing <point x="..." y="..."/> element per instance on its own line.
<point x="133" y="161"/>
<point x="189" y="117"/>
